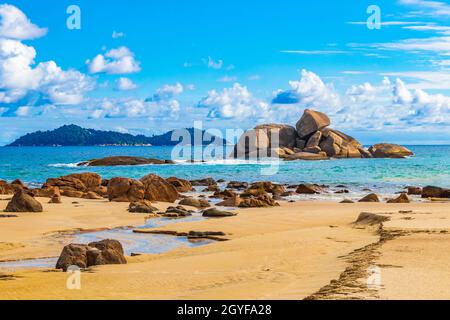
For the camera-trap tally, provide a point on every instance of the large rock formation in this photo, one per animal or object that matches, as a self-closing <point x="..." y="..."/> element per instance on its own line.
<point x="23" y="202"/>
<point x="75" y="185"/>
<point x="312" y="139"/>
<point x="181" y="184"/>
<point x="158" y="189"/>
<point x="93" y="254"/>
<point x="125" y="190"/>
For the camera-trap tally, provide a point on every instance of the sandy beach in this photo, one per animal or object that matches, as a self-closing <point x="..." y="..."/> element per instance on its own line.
<point x="307" y="249"/>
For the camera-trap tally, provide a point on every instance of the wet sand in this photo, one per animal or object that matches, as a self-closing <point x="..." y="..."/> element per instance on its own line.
<point x="289" y="252"/>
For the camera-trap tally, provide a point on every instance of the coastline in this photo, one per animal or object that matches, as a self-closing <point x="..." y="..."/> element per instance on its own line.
<point x="286" y="252"/>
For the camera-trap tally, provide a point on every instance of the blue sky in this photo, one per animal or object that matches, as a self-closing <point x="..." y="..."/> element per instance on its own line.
<point x="150" y="66"/>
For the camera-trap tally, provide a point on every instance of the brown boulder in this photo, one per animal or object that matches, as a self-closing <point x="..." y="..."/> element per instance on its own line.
<point x="216" y="213"/>
<point x="286" y="134"/>
<point x="72" y="193"/>
<point x="389" y="150"/>
<point x="143" y="206"/>
<point x="212" y="188"/>
<point x="197" y="203"/>
<point x="82" y="182"/>
<point x="158" y="189"/>
<point x="435" y="192"/>
<point x="96" y="253"/>
<point x="203" y="182"/>
<point x="402" y="198"/>
<point x="310" y="122"/>
<point x="125" y="190"/>
<point x="314" y="141"/>
<point x="181" y="184"/>
<point x="92" y="196"/>
<point x="309" y="189"/>
<point x="370" y="198"/>
<point x="415" y="191"/>
<point x="258" y="202"/>
<point x="230" y="202"/>
<point x="22" y="202"/>
<point x="237" y="185"/>
<point x="5" y="188"/>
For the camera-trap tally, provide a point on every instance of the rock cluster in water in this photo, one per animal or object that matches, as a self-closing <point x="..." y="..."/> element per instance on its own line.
<point x="310" y="139"/>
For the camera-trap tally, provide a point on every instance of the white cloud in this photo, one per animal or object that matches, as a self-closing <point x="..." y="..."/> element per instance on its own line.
<point x="18" y="77"/>
<point x="235" y="102"/>
<point x="14" y="24"/>
<point x="115" y="61"/>
<point x="117" y="35"/>
<point x="425" y="79"/>
<point x="167" y="92"/>
<point x="426" y="7"/>
<point x="125" y="84"/>
<point x="309" y="92"/>
<point x="22" y="111"/>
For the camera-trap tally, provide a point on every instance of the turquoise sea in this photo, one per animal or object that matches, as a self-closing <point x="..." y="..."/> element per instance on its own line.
<point x="430" y="166"/>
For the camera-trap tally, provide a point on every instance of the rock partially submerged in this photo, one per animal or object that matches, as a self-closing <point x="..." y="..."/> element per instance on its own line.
<point x="402" y="198"/>
<point x="95" y="253"/>
<point x="122" y="161"/>
<point x="23" y="202"/>
<point x="435" y="192"/>
<point x="389" y="150"/>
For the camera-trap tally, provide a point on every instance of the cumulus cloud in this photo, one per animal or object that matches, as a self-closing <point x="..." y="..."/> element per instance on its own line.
<point x="167" y="92"/>
<point x="125" y="84"/>
<point x="114" y="61"/>
<point x="14" y="24"/>
<point x="19" y="77"/>
<point x="235" y="102"/>
<point x="310" y="92"/>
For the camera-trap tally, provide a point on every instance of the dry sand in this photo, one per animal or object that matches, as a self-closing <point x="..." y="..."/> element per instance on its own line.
<point x="288" y="252"/>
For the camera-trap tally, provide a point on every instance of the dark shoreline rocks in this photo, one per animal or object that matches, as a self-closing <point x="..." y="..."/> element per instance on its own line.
<point x="122" y="161"/>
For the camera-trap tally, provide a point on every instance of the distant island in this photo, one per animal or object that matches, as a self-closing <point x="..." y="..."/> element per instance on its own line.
<point x="73" y="135"/>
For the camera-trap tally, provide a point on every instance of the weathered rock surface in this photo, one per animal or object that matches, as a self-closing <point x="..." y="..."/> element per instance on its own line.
<point x="197" y="203"/>
<point x="158" y="189"/>
<point x="216" y="213"/>
<point x="389" y="150"/>
<point x="414" y="191"/>
<point x="310" y="122"/>
<point x="203" y="182"/>
<point x="143" y="206"/>
<point x="370" y="198"/>
<point x="22" y="202"/>
<point x="180" y="184"/>
<point x="309" y="189"/>
<point x="369" y="219"/>
<point x="75" y="185"/>
<point x="435" y="192"/>
<point x="125" y="190"/>
<point x="402" y="198"/>
<point x="96" y="253"/>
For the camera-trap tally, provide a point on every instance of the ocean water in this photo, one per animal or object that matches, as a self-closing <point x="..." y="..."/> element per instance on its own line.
<point x="429" y="166"/>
